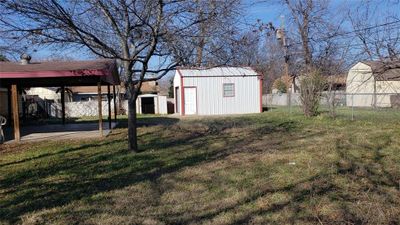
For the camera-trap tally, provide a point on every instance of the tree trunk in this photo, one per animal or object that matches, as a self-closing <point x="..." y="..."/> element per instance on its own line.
<point x="132" y="125"/>
<point x="201" y="44"/>
<point x="200" y="48"/>
<point x="306" y="48"/>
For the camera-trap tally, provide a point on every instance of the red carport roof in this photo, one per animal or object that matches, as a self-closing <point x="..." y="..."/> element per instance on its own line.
<point x="105" y="69"/>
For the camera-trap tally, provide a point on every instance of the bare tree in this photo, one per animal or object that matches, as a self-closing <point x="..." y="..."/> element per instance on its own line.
<point x="319" y="28"/>
<point x="136" y="33"/>
<point x="214" y="37"/>
<point x="308" y="17"/>
<point x="376" y="36"/>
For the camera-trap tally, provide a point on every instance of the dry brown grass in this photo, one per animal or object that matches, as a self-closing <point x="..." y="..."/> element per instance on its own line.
<point x="264" y="169"/>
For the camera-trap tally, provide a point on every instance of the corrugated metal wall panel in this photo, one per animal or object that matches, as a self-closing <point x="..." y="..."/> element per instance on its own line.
<point x="162" y="104"/>
<point x="210" y="100"/>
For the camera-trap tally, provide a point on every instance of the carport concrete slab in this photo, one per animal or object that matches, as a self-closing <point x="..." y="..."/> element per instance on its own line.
<point x="61" y="132"/>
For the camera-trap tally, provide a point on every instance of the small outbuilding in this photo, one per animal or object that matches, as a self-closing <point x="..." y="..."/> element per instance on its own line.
<point x="151" y="104"/>
<point x="373" y="84"/>
<point x="217" y="91"/>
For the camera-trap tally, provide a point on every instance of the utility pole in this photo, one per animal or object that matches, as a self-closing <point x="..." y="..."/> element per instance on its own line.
<point x="281" y="36"/>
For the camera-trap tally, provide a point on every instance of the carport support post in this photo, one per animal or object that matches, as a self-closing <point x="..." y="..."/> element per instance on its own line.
<point x="109" y="106"/>
<point x="100" y="109"/>
<point x="115" y="105"/>
<point x="63" y="104"/>
<point x="14" y="100"/>
<point x="9" y="106"/>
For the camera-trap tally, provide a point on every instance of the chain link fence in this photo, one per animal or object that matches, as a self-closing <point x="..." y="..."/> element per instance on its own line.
<point x="338" y="104"/>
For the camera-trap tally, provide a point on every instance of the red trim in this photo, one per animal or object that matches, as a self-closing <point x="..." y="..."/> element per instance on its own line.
<point x="61" y="73"/>
<point x="176" y="99"/>
<point x="106" y="75"/>
<point x="182" y="94"/>
<point x="223" y="91"/>
<point x="261" y="78"/>
<point x="261" y="94"/>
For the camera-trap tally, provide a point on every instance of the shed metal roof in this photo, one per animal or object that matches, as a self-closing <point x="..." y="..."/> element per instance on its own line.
<point x="217" y="72"/>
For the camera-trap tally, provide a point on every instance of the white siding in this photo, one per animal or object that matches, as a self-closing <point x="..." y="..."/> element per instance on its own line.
<point x="162" y="104"/>
<point x="386" y="87"/>
<point x="210" y="100"/>
<point x="209" y="90"/>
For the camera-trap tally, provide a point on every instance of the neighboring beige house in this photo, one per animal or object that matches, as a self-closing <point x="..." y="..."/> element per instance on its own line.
<point x="373" y="83"/>
<point x="48" y="93"/>
<point x="84" y="93"/>
<point x="338" y="83"/>
<point x="148" y="102"/>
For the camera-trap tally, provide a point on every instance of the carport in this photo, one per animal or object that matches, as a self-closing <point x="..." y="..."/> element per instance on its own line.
<point x="25" y="74"/>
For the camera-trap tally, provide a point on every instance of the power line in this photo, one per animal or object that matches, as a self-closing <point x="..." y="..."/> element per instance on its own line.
<point x="363" y="29"/>
<point x="351" y="32"/>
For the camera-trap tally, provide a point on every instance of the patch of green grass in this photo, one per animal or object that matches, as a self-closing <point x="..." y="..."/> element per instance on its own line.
<point x="269" y="168"/>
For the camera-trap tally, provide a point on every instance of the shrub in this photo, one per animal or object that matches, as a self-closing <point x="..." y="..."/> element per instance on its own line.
<point x="280" y="85"/>
<point x="311" y="87"/>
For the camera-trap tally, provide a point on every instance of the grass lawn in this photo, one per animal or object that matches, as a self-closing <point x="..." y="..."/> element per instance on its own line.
<point x="268" y="168"/>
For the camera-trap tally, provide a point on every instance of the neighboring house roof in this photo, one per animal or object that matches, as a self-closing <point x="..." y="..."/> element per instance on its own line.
<point x="339" y="79"/>
<point x="149" y="87"/>
<point x="385" y="70"/>
<point x="88" y="90"/>
<point x="217" y="72"/>
<point x="103" y="68"/>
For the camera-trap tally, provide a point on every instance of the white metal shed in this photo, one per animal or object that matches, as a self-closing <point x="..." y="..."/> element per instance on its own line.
<point x="217" y="91"/>
<point x="151" y="104"/>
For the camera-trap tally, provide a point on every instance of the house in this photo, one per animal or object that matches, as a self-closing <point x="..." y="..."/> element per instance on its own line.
<point x="336" y="82"/>
<point x="72" y="94"/>
<point x="373" y="83"/>
<point x="217" y="91"/>
<point x="86" y="93"/>
<point x="48" y="93"/>
<point x="148" y="102"/>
